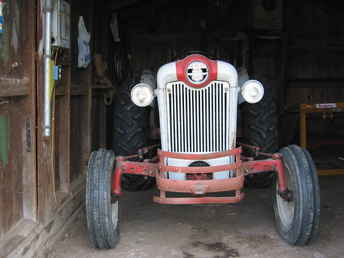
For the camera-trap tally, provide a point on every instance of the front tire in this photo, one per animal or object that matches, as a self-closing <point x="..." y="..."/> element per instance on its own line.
<point x="101" y="207"/>
<point x="297" y="221"/>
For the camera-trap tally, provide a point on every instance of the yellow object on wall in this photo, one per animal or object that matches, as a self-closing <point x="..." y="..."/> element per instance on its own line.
<point x="51" y="79"/>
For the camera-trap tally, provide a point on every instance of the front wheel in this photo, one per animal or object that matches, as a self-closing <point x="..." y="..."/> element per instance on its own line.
<point x="297" y="220"/>
<point x="101" y="207"/>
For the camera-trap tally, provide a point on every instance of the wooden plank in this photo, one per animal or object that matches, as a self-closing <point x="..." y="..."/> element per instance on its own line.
<point x="13" y="169"/>
<point x="330" y="172"/>
<point x="81" y="98"/>
<point x="17" y="78"/>
<point x="64" y="134"/>
<point x="4" y="140"/>
<point x="303" y="128"/>
<point x="89" y="125"/>
<point x="115" y="5"/>
<point x="29" y="239"/>
<point x="88" y="134"/>
<point x="316" y="83"/>
<point x="10" y="87"/>
<point x="2" y="204"/>
<point x="79" y="91"/>
<point x="45" y="181"/>
<point x="102" y="86"/>
<point x="29" y="134"/>
<point x="29" y="170"/>
<point x="60" y="91"/>
<point x="16" y="236"/>
<point x="284" y="64"/>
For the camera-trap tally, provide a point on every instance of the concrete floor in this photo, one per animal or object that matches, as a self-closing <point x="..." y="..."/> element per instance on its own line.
<point x="216" y="231"/>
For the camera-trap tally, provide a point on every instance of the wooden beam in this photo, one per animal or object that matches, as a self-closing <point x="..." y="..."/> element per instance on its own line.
<point x="64" y="135"/>
<point x="10" y="87"/>
<point x="330" y="172"/>
<point x="29" y="239"/>
<point x="118" y="4"/>
<point x="316" y="83"/>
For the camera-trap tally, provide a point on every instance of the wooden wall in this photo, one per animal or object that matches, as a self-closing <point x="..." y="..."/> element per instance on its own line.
<point x="315" y="52"/>
<point x="312" y="54"/>
<point x="17" y="116"/>
<point x="42" y="178"/>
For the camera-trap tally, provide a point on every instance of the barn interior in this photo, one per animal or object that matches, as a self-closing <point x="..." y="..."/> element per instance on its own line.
<point x="295" y="48"/>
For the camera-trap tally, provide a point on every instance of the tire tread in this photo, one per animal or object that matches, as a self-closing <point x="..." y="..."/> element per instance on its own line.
<point x="130" y="134"/>
<point x="305" y="224"/>
<point x="102" y="233"/>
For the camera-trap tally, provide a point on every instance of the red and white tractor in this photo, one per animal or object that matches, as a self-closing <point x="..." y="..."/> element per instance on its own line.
<point x="199" y="156"/>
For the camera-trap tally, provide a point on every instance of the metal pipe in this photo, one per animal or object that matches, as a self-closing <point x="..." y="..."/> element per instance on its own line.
<point x="148" y="77"/>
<point x="47" y="59"/>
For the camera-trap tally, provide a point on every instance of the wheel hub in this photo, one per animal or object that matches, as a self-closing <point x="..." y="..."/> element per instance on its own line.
<point x="286" y="203"/>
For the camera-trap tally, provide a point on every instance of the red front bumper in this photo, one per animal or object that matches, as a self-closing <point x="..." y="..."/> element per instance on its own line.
<point x="197" y="188"/>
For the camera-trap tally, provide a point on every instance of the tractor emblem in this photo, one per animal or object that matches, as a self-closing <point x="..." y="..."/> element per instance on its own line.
<point x="197" y="72"/>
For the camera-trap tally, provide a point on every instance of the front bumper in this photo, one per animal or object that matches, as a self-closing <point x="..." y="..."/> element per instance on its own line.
<point x="197" y="189"/>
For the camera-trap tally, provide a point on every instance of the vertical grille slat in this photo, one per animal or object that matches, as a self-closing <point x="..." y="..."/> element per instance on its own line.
<point x="168" y="109"/>
<point x="184" y="118"/>
<point x="193" y="128"/>
<point x="178" y="118"/>
<point x="188" y="111"/>
<point x="222" y="120"/>
<point x="198" y="119"/>
<point x="216" y="118"/>
<point x="172" y="126"/>
<point x="198" y="129"/>
<point x="203" y="121"/>
<point x="212" y="114"/>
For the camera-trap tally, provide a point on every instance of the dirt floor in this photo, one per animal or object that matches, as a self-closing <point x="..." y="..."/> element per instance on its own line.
<point x="213" y="231"/>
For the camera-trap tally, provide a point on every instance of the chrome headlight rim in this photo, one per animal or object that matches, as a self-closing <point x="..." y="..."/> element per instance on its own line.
<point x="145" y="89"/>
<point x="252" y="91"/>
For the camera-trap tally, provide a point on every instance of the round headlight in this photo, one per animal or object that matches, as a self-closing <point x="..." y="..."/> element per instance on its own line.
<point x="252" y="91"/>
<point x="142" y="95"/>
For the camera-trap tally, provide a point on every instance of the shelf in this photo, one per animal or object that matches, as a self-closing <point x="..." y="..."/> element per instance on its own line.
<point x="11" y="87"/>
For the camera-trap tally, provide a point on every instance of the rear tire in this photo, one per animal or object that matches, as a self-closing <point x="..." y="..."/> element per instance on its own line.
<point x="131" y="125"/>
<point x="260" y="121"/>
<point x="297" y="221"/>
<point x="101" y="208"/>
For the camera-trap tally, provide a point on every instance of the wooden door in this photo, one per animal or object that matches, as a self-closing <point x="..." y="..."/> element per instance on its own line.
<point x="18" y="193"/>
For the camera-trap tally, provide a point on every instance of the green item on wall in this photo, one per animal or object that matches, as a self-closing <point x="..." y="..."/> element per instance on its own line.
<point x="4" y="140"/>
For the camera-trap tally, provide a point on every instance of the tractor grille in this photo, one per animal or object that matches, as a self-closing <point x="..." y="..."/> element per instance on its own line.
<point x="198" y="119"/>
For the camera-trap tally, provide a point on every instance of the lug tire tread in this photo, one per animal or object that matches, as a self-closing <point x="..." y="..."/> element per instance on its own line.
<point x="305" y="223"/>
<point x="102" y="233"/>
<point x="131" y="124"/>
<point x="260" y="130"/>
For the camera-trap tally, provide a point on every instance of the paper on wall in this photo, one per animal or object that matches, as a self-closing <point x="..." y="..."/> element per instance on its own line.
<point x="84" y="56"/>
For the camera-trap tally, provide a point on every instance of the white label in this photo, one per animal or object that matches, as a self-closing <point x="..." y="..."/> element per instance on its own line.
<point x="326" y="105"/>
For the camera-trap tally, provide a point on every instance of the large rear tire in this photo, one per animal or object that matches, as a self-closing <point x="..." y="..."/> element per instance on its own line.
<point x="101" y="208"/>
<point x="260" y="121"/>
<point x="131" y="125"/>
<point x="297" y="220"/>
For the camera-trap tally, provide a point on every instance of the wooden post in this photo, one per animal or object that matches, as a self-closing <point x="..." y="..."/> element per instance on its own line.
<point x="303" y="127"/>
